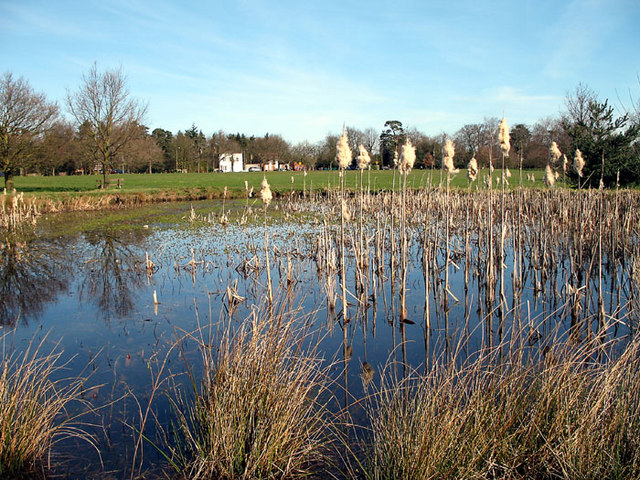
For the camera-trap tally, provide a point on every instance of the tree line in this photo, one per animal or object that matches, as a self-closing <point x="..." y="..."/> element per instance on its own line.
<point x="105" y="131"/>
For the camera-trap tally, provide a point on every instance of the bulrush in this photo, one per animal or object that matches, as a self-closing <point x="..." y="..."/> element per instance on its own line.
<point x="504" y="138"/>
<point x="555" y="152"/>
<point x="578" y="163"/>
<point x="265" y="192"/>
<point x="449" y="152"/>
<point x="363" y="158"/>
<point x="549" y="177"/>
<point x="407" y="158"/>
<point x="472" y="170"/>
<point x="343" y="152"/>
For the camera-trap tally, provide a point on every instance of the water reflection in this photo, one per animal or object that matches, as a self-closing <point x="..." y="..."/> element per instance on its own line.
<point x="113" y="270"/>
<point x="32" y="274"/>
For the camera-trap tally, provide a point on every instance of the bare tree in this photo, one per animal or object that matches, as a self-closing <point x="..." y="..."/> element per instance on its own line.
<point x="578" y="103"/>
<point x="306" y="152"/>
<point x="24" y="114"/>
<point x="372" y="140"/>
<point x="104" y="106"/>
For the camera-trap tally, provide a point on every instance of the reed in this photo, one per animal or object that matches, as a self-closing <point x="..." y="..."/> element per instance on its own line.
<point x="267" y="196"/>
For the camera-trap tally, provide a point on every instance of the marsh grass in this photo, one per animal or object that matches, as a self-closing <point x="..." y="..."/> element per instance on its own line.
<point x="16" y="211"/>
<point x="260" y="408"/>
<point x="561" y="414"/>
<point x="33" y="409"/>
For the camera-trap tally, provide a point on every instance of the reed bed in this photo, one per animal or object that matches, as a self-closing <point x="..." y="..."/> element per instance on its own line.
<point x="33" y="410"/>
<point x="554" y="396"/>
<point x="16" y="211"/>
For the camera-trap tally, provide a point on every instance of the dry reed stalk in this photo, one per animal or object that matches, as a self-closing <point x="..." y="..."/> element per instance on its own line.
<point x="407" y="160"/>
<point x="505" y="146"/>
<point x="267" y="196"/>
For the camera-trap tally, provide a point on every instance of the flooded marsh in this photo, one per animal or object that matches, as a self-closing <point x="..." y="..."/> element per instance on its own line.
<point x="394" y="305"/>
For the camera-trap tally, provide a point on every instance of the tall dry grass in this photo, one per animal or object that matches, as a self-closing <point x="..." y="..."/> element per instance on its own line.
<point x="559" y="415"/>
<point x="260" y="408"/>
<point x="33" y="409"/>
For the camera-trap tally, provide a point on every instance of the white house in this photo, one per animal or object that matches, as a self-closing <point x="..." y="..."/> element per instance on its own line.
<point x="231" y="162"/>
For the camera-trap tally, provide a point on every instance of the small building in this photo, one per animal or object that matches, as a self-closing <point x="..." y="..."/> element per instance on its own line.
<point x="231" y="162"/>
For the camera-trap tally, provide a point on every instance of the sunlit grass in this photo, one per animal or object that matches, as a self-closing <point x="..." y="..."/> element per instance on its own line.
<point x="564" y="416"/>
<point x="260" y="408"/>
<point x="33" y="409"/>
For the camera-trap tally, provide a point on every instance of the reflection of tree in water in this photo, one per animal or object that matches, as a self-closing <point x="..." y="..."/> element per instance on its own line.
<point x="111" y="274"/>
<point x="32" y="273"/>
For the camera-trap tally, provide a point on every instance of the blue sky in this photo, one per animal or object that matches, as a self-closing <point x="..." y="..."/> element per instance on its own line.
<point x="303" y="68"/>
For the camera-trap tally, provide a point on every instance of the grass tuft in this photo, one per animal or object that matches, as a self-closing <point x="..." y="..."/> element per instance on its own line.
<point x="261" y="411"/>
<point x="33" y="409"/>
<point x="561" y="416"/>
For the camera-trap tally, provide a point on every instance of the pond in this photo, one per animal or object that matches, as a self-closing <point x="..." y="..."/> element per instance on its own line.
<point x="115" y="290"/>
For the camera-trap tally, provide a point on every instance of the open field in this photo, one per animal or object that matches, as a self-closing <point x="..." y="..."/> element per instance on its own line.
<point x="214" y="183"/>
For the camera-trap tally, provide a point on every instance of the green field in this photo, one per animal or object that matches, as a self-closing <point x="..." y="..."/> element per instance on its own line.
<point x="214" y="183"/>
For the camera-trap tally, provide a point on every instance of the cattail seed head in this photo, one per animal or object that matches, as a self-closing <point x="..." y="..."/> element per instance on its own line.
<point x="408" y="157"/>
<point x="472" y="169"/>
<point x="449" y="153"/>
<point x="578" y="162"/>
<point x="343" y="152"/>
<point x="265" y="192"/>
<point x="549" y="177"/>
<point x="363" y="158"/>
<point x="504" y="138"/>
<point x="555" y="152"/>
<point x="345" y="211"/>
